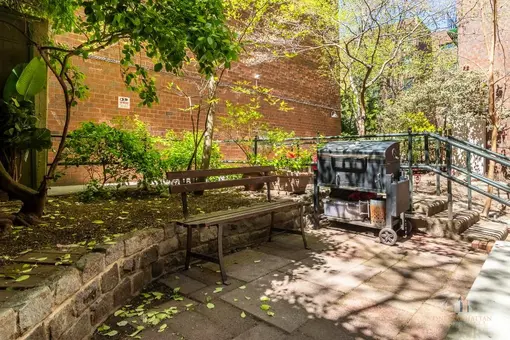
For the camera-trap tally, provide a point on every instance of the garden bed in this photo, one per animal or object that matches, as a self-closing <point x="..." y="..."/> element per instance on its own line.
<point x="69" y="221"/>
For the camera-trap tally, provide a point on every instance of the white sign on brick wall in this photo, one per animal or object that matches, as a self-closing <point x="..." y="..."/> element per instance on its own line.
<point x="124" y="103"/>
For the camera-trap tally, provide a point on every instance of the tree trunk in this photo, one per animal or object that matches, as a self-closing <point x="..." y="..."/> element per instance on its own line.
<point x="361" y="115"/>
<point x="33" y="201"/>
<point x="32" y="210"/>
<point x="209" y="125"/>
<point x="493" y="113"/>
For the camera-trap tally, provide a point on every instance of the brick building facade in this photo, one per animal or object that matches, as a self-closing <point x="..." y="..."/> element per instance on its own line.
<point x="313" y="98"/>
<point x="474" y="35"/>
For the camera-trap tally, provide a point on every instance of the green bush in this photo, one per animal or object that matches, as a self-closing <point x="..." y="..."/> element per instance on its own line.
<point x="115" y="154"/>
<point x="177" y="150"/>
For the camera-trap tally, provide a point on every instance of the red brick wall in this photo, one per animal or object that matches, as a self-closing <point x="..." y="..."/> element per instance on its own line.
<point x="312" y="97"/>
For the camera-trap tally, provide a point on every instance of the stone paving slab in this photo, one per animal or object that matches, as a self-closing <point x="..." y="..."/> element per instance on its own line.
<point x="213" y="292"/>
<point x="228" y="316"/>
<point x="349" y="287"/>
<point x="261" y="332"/>
<point x="186" y="284"/>
<point x="385" y="298"/>
<point x="337" y="274"/>
<point x="320" y="329"/>
<point x="205" y="275"/>
<point x="40" y="257"/>
<point x="194" y="325"/>
<point x="429" y="323"/>
<point x="248" y="265"/>
<point x="278" y="249"/>
<point x="292" y="300"/>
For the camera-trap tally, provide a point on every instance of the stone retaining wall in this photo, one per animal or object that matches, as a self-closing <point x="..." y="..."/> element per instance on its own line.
<point x="72" y="302"/>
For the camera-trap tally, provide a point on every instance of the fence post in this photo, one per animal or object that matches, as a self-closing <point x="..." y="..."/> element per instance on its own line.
<point x="468" y="178"/>
<point x="256" y="147"/>
<point x="438" y="167"/>
<point x="426" y="148"/>
<point x="410" y="170"/>
<point x="449" y="172"/>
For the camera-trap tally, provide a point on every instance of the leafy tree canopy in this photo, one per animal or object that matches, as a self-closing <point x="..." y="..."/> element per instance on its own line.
<point x="163" y="30"/>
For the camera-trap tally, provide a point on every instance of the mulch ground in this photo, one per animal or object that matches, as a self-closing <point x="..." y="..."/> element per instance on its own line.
<point x="69" y="221"/>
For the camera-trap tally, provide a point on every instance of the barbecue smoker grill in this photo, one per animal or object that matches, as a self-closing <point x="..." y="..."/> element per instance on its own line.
<point x="366" y="190"/>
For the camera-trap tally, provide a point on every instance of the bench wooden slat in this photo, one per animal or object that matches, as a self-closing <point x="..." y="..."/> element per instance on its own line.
<point x="236" y="214"/>
<point x="256" y="207"/>
<point x="190" y="187"/>
<point x="217" y="172"/>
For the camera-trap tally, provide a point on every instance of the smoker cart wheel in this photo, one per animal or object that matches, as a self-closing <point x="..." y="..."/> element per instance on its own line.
<point x="388" y="236"/>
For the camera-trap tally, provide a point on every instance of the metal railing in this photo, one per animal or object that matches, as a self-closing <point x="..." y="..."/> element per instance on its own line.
<point x="444" y="155"/>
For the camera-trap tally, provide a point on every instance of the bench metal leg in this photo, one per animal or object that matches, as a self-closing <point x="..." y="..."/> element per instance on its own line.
<point x="189" y="240"/>
<point x="224" y="278"/>
<point x="271" y="227"/>
<point x="302" y="226"/>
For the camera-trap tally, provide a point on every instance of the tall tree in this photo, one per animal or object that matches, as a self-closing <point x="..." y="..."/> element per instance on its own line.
<point x="248" y="19"/>
<point x="491" y="30"/>
<point x="164" y="30"/>
<point x="359" y="40"/>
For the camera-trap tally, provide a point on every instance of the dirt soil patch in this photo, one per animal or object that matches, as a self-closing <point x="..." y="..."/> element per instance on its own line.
<point x="69" y="221"/>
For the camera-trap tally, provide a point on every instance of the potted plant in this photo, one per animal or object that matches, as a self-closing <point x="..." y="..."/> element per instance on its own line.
<point x="293" y="169"/>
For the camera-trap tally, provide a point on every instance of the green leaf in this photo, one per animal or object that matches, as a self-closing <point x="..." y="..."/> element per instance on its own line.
<point x="210" y="305"/>
<point x="243" y="314"/>
<point x="210" y="41"/>
<point x="162" y="328"/>
<point x="25" y="251"/>
<point x="22" y="278"/>
<point x="10" y="83"/>
<point x="33" y="78"/>
<point x="217" y="290"/>
<point x="264" y="299"/>
<point x="122" y="323"/>
<point x="98" y="222"/>
<point x="270" y="313"/>
<point x="112" y="333"/>
<point x="242" y="287"/>
<point x="265" y="307"/>
<point x="103" y="328"/>
<point x="138" y="330"/>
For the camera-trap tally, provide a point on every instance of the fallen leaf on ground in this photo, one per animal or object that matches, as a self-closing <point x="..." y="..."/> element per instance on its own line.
<point x="22" y="278"/>
<point x="210" y="305"/>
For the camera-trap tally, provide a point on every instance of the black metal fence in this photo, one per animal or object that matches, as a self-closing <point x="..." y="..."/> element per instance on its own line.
<point x="447" y="157"/>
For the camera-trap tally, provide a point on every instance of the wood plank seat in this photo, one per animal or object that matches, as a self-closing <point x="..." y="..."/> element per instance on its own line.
<point x="192" y="181"/>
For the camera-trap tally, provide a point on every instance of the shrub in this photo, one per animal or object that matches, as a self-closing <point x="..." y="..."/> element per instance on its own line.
<point x="116" y="154"/>
<point x="177" y="151"/>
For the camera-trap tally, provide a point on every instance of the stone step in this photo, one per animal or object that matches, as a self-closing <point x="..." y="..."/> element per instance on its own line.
<point x="429" y="205"/>
<point x="486" y="231"/>
<point x="438" y="225"/>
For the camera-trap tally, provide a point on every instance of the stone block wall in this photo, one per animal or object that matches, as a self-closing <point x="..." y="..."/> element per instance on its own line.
<point x="70" y="304"/>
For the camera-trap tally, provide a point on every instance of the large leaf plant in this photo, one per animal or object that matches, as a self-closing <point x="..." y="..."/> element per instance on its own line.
<point x="19" y="131"/>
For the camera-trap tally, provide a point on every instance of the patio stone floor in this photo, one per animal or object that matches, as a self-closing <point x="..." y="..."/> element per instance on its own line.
<point x="347" y="286"/>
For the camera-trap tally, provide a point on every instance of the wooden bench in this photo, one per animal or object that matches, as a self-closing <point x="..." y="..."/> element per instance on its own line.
<point x="187" y="183"/>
